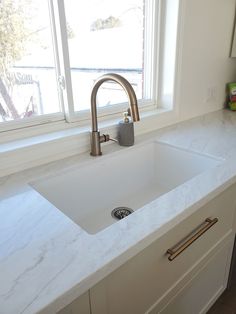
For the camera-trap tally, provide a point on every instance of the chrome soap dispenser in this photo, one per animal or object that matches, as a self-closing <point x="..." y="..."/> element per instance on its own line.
<point x="126" y="131"/>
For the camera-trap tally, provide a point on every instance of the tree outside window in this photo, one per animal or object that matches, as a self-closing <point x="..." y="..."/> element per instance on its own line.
<point x="26" y="60"/>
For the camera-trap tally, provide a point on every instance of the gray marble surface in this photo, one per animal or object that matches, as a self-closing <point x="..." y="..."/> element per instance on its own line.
<point x="46" y="260"/>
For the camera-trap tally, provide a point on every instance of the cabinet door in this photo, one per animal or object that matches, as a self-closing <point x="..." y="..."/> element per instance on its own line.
<point x="149" y="278"/>
<point x="78" y="306"/>
<point x="202" y="291"/>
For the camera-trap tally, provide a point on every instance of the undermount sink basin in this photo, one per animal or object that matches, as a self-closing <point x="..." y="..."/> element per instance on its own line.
<point x="131" y="178"/>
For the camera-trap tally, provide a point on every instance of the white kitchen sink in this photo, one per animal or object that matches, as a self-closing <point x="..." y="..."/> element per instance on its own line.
<point x="130" y="178"/>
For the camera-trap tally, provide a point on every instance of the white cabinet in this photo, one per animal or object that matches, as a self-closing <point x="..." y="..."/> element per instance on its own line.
<point x="204" y="288"/>
<point x="149" y="282"/>
<point x="79" y="306"/>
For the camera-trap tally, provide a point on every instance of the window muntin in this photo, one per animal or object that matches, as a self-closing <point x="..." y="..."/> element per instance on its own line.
<point x="28" y="85"/>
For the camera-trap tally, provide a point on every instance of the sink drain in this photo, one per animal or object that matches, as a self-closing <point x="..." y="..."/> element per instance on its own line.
<point x="121" y="212"/>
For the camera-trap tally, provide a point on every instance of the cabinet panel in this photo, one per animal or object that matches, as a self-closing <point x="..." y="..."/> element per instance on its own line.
<point x="146" y="278"/>
<point x="78" y="306"/>
<point x="204" y="288"/>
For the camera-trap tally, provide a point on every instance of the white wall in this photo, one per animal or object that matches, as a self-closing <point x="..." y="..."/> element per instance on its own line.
<point x="208" y="27"/>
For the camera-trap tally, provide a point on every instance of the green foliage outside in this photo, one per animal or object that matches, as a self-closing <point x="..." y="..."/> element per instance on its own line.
<point x="13" y="36"/>
<point x="13" y="32"/>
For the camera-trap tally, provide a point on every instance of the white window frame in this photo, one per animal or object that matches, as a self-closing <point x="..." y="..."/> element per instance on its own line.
<point x="150" y="65"/>
<point x="153" y="58"/>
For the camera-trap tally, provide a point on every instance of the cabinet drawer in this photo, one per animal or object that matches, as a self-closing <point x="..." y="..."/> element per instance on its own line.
<point x="143" y="280"/>
<point x="195" y="299"/>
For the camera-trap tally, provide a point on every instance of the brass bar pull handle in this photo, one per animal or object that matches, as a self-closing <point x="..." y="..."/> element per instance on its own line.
<point x="180" y="247"/>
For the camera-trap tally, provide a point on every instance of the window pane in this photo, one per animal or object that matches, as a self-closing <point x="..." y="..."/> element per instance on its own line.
<point x="167" y="75"/>
<point x="105" y="36"/>
<point x="28" y="82"/>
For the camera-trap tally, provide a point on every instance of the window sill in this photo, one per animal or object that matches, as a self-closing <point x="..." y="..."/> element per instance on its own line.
<point x="37" y="150"/>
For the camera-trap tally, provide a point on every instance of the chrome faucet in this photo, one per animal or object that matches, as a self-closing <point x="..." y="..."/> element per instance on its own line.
<point x="96" y="138"/>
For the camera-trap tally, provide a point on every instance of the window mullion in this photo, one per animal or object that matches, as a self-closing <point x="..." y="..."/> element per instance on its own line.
<point x="161" y="24"/>
<point x="65" y="81"/>
<point x="151" y="51"/>
<point x="56" y="52"/>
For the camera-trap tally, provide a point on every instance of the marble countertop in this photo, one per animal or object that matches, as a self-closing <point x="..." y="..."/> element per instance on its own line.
<point x="46" y="260"/>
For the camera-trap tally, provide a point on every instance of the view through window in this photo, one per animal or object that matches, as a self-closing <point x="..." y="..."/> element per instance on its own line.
<point x="105" y="36"/>
<point x="27" y="72"/>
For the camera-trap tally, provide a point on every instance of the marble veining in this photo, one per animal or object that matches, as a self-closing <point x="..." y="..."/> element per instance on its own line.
<point x="46" y="260"/>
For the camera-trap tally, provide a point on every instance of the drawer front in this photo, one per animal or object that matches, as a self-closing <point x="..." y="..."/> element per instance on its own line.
<point x="139" y="283"/>
<point x="202" y="291"/>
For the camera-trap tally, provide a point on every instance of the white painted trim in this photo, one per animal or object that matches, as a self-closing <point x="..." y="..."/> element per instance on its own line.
<point x="151" y="50"/>
<point x="28" y="122"/>
<point x="179" y="57"/>
<point x="161" y="43"/>
<point x="38" y="150"/>
<point x="57" y="123"/>
<point x="64" y="59"/>
<point x="56" y="52"/>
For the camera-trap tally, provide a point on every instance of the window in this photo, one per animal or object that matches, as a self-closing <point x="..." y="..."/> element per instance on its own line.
<point x="54" y="50"/>
<point x="26" y="61"/>
<point x="109" y="38"/>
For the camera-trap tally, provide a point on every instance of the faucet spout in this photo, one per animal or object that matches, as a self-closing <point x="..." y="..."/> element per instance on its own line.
<point x="96" y="139"/>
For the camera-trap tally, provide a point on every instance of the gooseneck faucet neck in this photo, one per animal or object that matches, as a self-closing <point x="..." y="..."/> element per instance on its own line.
<point x="96" y="140"/>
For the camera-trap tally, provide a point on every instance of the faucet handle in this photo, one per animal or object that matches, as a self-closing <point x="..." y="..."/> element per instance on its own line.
<point x="113" y="140"/>
<point x="104" y="138"/>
